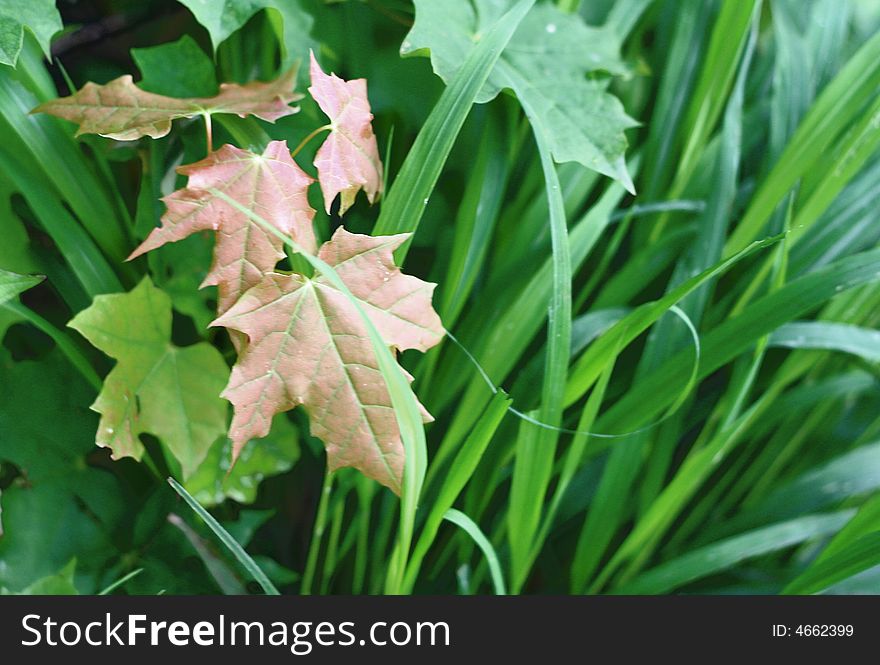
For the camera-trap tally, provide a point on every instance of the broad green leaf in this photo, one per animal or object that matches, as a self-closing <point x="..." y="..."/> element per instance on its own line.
<point x="45" y="526"/>
<point x="43" y="446"/>
<point x="40" y="17"/>
<point x="46" y="431"/>
<point x="405" y="203"/>
<point x="120" y="110"/>
<point x="11" y="284"/>
<point x="155" y="387"/>
<point x="59" y="584"/>
<point x="246" y="524"/>
<point x="546" y="63"/>
<point x="277" y="574"/>
<point x="214" y="480"/>
<point x="176" y="69"/>
<point x="180" y="269"/>
<point x="221" y="19"/>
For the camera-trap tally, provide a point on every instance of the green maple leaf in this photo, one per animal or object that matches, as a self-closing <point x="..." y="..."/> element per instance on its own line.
<point x="156" y="387"/>
<point x="550" y="63"/>
<point x="39" y="16"/>
<point x="214" y="481"/>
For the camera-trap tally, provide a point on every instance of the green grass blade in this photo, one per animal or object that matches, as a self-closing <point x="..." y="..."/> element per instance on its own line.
<point x="827" y="119"/>
<point x="237" y="550"/>
<point x="506" y="339"/>
<point x="65" y="344"/>
<point x="536" y="461"/>
<point x="737" y="335"/>
<point x="475" y="221"/>
<point x="454" y="480"/>
<point x="726" y="554"/>
<point x="403" y="207"/>
<point x="866" y="521"/>
<point x="80" y="252"/>
<point x="852" y="474"/>
<point x="859" y="555"/>
<point x="729" y="37"/>
<point x="106" y="591"/>
<point x="460" y="519"/>
<point x="63" y="164"/>
<point x="589" y="366"/>
<point x="858" y="341"/>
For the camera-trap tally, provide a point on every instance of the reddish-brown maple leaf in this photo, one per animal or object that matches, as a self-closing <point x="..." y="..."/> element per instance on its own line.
<point x="270" y="185"/>
<point x="120" y="110"/>
<point x="309" y="346"/>
<point x="348" y="160"/>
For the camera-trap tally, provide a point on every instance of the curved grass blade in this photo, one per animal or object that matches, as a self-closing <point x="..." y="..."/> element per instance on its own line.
<point x="738" y="334"/>
<point x="460" y="472"/>
<point x="403" y="207"/>
<point x="460" y="519"/>
<point x="237" y="550"/>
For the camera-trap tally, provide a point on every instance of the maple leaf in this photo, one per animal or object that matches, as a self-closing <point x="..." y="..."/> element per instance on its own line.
<point x="120" y="110"/>
<point x="155" y="387"/>
<point x="348" y="160"/>
<point x="39" y="17"/>
<point x="551" y="63"/>
<point x="309" y="346"/>
<point x="271" y="185"/>
<point x="222" y="19"/>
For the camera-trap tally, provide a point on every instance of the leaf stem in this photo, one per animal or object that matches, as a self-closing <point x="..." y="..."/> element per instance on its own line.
<point x="209" y="134"/>
<point x="313" y="134"/>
